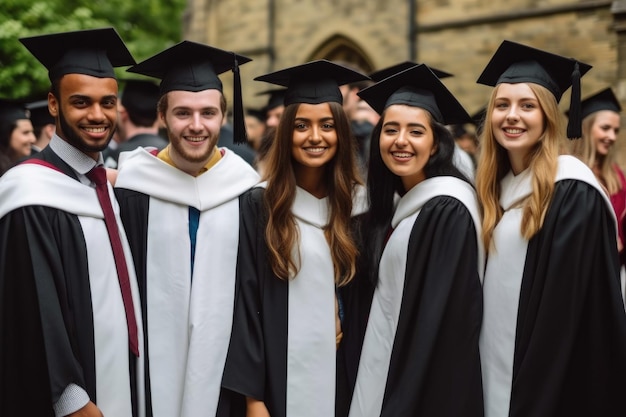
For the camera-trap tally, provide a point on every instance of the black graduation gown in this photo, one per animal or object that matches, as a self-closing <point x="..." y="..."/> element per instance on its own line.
<point x="256" y="365"/>
<point x="570" y="347"/>
<point x="435" y="365"/>
<point x="46" y="323"/>
<point x="260" y="320"/>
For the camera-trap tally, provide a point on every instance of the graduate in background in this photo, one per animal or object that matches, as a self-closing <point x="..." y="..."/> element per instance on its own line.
<point x="600" y="114"/>
<point x="181" y="210"/>
<point x="296" y="248"/>
<point x="553" y="340"/>
<point x="138" y="123"/>
<point x="71" y="337"/>
<point x="16" y="134"/>
<point x="43" y="124"/>
<point x="423" y="254"/>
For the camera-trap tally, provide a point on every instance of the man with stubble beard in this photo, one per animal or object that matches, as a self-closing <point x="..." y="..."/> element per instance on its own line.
<point x="70" y="318"/>
<point x="180" y="207"/>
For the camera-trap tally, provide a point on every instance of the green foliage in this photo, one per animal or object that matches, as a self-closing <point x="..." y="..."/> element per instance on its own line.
<point x="147" y="26"/>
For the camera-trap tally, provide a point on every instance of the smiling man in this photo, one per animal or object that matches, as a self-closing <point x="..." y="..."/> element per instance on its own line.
<point x="180" y="207"/>
<point x="69" y="301"/>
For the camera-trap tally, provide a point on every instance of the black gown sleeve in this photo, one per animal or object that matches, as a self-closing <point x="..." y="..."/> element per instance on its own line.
<point x="256" y="364"/>
<point x="357" y="300"/>
<point x="435" y="364"/>
<point x="244" y="372"/>
<point x="570" y="349"/>
<point x="134" y="208"/>
<point x="46" y="323"/>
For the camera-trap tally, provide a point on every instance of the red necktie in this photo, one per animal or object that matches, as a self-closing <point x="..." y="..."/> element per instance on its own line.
<point x="99" y="177"/>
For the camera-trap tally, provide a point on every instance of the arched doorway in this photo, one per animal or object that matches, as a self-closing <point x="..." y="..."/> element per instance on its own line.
<point x="342" y="49"/>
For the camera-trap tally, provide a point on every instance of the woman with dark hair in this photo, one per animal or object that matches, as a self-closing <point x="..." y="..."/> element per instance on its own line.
<point x="423" y="254"/>
<point x="296" y="248"/>
<point x="16" y="134"/>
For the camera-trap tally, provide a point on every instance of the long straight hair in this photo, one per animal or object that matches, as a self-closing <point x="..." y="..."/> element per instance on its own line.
<point x="341" y="176"/>
<point x="585" y="150"/>
<point x="382" y="186"/>
<point x="494" y="164"/>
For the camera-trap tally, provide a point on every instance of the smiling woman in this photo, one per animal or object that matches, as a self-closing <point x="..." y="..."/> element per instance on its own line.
<point x="554" y="320"/>
<point x="596" y="148"/>
<point x="298" y="249"/>
<point x="424" y="316"/>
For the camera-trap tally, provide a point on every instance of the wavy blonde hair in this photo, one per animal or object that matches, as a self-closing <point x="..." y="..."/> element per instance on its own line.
<point x="585" y="150"/>
<point x="494" y="164"/>
<point x="281" y="233"/>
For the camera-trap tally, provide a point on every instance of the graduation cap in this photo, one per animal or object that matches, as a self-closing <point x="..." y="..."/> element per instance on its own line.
<point x="92" y="52"/>
<point x="517" y="63"/>
<point x="602" y="100"/>
<point x="140" y="98"/>
<point x="394" y="69"/>
<point x="314" y="82"/>
<point x="417" y="86"/>
<point x="276" y="97"/>
<point x="192" y="66"/>
<point x="39" y="113"/>
<point x="12" y="111"/>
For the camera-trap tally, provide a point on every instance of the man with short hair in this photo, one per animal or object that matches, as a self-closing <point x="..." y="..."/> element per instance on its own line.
<point x="180" y="207"/>
<point x="138" y="124"/>
<point x="70" y="320"/>
<point x="43" y="124"/>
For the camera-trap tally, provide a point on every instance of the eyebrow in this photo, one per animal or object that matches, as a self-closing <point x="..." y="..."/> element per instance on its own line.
<point x="324" y="119"/>
<point x="192" y="108"/>
<point x="89" y="98"/>
<point x="394" y="123"/>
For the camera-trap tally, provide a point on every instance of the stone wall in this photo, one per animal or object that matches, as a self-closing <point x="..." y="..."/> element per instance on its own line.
<point x="458" y="36"/>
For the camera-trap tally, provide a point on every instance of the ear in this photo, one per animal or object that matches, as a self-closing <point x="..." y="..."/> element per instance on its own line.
<point x="53" y="105"/>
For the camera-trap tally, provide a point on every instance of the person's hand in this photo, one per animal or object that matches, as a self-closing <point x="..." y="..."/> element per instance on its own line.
<point x="256" y="408"/>
<point x="89" y="410"/>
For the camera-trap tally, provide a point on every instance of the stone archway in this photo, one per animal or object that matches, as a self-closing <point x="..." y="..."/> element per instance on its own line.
<point x="342" y="49"/>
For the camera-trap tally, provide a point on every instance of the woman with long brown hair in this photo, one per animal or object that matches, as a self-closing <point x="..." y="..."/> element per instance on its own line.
<point x="553" y="339"/>
<point x="296" y="248"/>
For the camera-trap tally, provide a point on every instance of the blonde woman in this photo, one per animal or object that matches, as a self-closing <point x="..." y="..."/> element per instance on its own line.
<point x="600" y="127"/>
<point x="553" y="340"/>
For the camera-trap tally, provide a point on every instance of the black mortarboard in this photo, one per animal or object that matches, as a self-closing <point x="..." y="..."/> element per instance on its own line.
<point x="140" y="98"/>
<point x="191" y="66"/>
<point x="314" y="82"/>
<point x="276" y="97"/>
<point x="39" y="113"/>
<point x="517" y="63"/>
<point x="394" y="69"/>
<point x="11" y="111"/>
<point x="92" y="52"/>
<point x="417" y="86"/>
<point x="602" y="100"/>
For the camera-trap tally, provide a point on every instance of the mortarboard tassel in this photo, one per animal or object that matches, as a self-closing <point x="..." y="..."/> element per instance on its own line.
<point x="239" y="126"/>
<point x="574" y="129"/>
